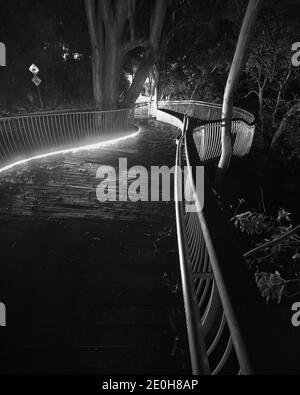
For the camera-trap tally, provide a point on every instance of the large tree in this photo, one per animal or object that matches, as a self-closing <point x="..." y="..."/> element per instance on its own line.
<point x="114" y="33"/>
<point x="238" y="62"/>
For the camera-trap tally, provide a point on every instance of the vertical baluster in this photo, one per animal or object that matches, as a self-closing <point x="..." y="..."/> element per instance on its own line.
<point x="41" y="138"/>
<point x="21" y="134"/>
<point x="51" y="120"/>
<point x="75" y="126"/>
<point x="12" y="140"/>
<point x="4" y="153"/>
<point x="47" y="120"/>
<point x="73" y="129"/>
<point x="82" y="125"/>
<point x="95" y="121"/>
<point x="58" y="130"/>
<point x="64" y="129"/>
<point x="91" y="124"/>
<point x="45" y="132"/>
<point x="26" y="133"/>
<point x="9" y="148"/>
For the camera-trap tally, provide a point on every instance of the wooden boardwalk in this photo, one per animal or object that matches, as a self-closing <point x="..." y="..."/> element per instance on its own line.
<point x="86" y="287"/>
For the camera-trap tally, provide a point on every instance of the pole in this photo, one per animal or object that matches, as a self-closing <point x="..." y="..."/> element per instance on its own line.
<point x="40" y="97"/>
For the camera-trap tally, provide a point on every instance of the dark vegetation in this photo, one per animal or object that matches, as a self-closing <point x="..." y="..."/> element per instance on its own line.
<point x="268" y="181"/>
<point x="53" y="35"/>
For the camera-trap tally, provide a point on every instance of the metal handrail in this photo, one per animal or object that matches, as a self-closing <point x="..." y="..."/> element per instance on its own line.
<point x="141" y="104"/>
<point x="25" y="136"/>
<point x="224" y="309"/>
<point x="199" y="357"/>
<point x="59" y="112"/>
<point x="209" y="142"/>
<point x="191" y="106"/>
<point x="207" y="124"/>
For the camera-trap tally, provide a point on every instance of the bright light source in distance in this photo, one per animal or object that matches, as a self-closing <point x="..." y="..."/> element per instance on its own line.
<point x="71" y="150"/>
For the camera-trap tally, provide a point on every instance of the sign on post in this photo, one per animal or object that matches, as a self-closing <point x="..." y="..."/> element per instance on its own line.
<point x="34" y="69"/>
<point x="37" y="81"/>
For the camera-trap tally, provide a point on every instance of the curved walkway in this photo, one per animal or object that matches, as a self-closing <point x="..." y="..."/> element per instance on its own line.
<point x="87" y="290"/>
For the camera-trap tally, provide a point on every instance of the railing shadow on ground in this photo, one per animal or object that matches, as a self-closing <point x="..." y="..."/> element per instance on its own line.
<point x="230" y="329"/>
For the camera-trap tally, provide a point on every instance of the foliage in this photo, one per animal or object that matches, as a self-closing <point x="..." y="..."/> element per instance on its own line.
<point x="290" y="143"/>
<point x="270" y="84"/>
<point x="271" y="286"/>
<point x="197" y="46"/>
<point x="277" y="267"/>
<point x="274" y="288"/>
<point x="254" y="223"/>
<point x="50" y="34"/>
<point x="269" y="72"/>
<point x="195" y="37"/>
<point x="197" y="60"/>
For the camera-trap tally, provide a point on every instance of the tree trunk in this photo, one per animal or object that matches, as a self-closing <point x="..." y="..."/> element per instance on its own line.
<point x="231" y="86"/>
<point x="97" y="52"/>
<point x="280" y="93"/>
<point x="112" y="67"/>
<point x="153" y="103"/>
<point x="139" y="81"/>
<point x="152" y="56"/>
<point x="97" y="79"/>
<point x="195" y="89"/>
<point x="261" y="112"/>
<point x="276" y="107"/>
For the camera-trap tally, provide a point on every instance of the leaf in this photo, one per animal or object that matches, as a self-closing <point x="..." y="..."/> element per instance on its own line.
<point x="271" y="286"/>
<point x="284" y="216"/>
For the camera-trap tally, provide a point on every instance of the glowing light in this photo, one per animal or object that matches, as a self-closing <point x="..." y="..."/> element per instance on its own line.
<point x="89" y="147"/>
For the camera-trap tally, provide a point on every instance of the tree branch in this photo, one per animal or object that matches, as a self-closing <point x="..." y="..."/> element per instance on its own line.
<point x="179" y="26"/>
<point x="90" y="6"/>
<point x="121" y="13"/>
<point x="157" y="23"/>
<point x="105" y="8"/>
<point x="250" y="93"/>
<point x="131" y="45"/>
<point x="130" y="16"/>
<point x="272" y="243"/>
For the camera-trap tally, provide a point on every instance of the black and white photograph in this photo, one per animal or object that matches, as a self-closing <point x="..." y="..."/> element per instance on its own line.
<point x="149" y="191"/>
